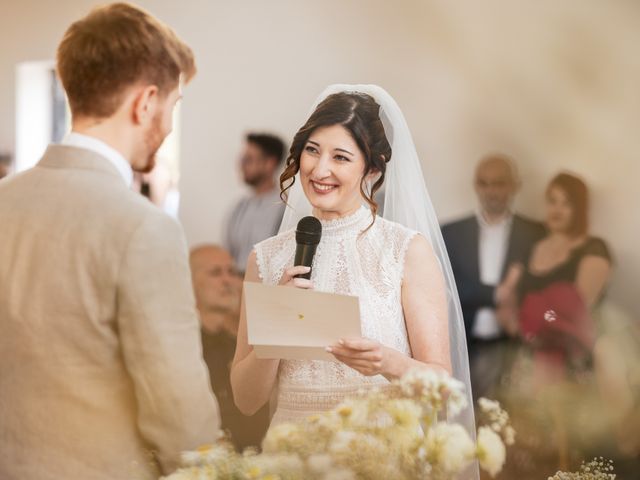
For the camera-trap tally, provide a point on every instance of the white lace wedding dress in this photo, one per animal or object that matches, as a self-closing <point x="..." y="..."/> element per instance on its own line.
<point x="369" y="266"/>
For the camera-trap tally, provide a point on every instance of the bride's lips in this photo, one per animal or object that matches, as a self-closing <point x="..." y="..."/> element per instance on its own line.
<point x="322" y="188"/>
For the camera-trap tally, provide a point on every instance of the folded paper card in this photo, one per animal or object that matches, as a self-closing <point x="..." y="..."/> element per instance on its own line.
<point x="292" y="323"/>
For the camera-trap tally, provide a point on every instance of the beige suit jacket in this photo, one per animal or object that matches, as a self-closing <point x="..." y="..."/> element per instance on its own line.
<point x="101" y="370"/>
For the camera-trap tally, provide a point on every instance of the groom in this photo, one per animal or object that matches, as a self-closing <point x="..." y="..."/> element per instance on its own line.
<point x="101" y="372"/>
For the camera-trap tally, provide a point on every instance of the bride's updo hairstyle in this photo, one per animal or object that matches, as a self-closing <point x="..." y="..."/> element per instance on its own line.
<point x="360" y="115"/>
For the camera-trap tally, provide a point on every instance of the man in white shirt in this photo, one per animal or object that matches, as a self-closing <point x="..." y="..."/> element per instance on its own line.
<point x="482" y="247"/>
<point x="101" y="369"/>
<point x="257" y="216"/>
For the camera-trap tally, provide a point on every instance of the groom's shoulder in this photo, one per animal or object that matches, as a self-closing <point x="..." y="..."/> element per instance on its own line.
<point x="135" y="208"/>
<point x="125" y="211"/>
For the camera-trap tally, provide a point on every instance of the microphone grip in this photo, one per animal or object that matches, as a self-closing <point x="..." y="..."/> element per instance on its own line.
<point x="304" y="256"/>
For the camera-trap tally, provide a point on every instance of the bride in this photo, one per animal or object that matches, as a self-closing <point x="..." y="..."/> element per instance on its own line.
<point x="355" y="141"/>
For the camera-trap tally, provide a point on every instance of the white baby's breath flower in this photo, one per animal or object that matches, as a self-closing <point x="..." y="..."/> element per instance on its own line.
<point x="191" y="473"/>
<point x="354" y="412"/>
<point x="491" y="451"/>
<point x="339" y="474"/>
<point x="342" y="440"/>
<point x="509" y="435"/>
<point x="457" y="400"/>
<point x="404" y="412"/>
<point x="280" y="436"/>
<point x="205" y="454"/>
<point x="320" y="463"/>
<point x="330" y="420"/>
<point x="487" y="405"/>
<point x="449" y="446"/>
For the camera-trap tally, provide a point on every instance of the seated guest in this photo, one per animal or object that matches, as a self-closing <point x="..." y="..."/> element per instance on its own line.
<point x="257" y="216"/>
<point x="481" y="247"/>
<point x="5" y="164"/>
<point x="217" y="288"/>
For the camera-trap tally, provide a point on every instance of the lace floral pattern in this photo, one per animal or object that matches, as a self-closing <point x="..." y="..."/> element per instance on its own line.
<point x="349" y="261"/>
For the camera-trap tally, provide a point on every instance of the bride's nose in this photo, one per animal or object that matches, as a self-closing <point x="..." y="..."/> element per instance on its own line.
<point x="322" y="168"/>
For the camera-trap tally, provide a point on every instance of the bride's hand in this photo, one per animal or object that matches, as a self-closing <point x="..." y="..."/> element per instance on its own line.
<point x="288" y="277"/>
<point x="362" y="354"/>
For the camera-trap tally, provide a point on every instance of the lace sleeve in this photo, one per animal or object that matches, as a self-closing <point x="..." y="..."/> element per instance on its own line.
<point x="404" y="248"/>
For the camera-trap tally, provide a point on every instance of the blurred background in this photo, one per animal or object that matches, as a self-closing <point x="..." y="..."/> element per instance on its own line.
<point x="554" y="84"/>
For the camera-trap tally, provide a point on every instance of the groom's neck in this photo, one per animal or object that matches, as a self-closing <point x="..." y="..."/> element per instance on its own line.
<point x="114" y="133"/>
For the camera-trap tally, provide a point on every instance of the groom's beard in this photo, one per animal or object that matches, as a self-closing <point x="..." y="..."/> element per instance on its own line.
<point x="153" y="141"/>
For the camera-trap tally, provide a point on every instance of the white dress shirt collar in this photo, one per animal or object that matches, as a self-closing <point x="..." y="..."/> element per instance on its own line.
<point x="505" y="221"/>
<point x="493" y="244"/>
<point x="74" y="139"/>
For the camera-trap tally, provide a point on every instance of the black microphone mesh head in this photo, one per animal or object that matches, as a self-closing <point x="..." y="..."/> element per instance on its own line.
<point x="309" y="231"/>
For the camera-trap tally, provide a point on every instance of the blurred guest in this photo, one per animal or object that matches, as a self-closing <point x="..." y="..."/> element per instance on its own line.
<point x="566" y="275"/>
<point x="257" y="216"/>
<point x="217" y="288"/>
<point x="5" y="164"/>
<point x="159" y="188"/>
<point x="561" y="287"/>
<point x="481" y="248"/>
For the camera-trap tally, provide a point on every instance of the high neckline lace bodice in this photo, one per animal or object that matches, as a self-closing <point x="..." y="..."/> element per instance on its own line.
<point x="354" y="223"/>
<point x="354" y="257"/>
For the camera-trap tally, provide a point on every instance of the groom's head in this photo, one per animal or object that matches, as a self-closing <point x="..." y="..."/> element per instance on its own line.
<point x="123" y="68"/>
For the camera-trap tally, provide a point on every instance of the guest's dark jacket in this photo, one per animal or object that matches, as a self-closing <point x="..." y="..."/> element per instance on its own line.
<point x="462" y="240"/>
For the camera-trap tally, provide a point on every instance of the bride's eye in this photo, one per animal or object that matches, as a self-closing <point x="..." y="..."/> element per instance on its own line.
<point x="342" y="158"/>
<point x="310" y="149"/>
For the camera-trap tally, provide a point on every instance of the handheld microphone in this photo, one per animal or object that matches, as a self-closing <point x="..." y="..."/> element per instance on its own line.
<point x="308" y="233"/>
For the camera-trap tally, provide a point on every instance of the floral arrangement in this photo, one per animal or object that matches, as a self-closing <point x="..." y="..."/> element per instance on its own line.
<point x="596" y="469"/>
<point x="388" y="433"/>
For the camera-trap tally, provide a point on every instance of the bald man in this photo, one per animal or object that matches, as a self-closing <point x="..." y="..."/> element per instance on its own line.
<point x="217" y="287"/>
<point x="482" y="247"/>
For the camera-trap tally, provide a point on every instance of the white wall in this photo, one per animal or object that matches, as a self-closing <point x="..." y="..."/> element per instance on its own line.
<point x="555" y="83"/>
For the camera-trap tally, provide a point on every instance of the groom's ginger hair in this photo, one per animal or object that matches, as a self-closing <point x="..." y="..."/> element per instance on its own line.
<point x="115" y="47"/>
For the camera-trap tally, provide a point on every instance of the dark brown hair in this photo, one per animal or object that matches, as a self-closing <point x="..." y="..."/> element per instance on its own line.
<point x="270" y="145"/>
<point x="115" y="47"/>
<point x="360" y="115"/>
<point x="578" y="196"/>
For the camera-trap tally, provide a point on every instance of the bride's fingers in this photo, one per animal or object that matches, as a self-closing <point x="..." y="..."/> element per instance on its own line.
<point x="362" y="344"/>
<point x="363" y="366"/>
<point x="298" y="270"/>
<point x="301" y="283"/>
<point x="289" y="277"/>
<point x="370" y="356"/>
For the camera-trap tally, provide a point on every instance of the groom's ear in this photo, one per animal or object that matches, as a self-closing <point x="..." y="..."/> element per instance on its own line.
<point x="145" y="104"/>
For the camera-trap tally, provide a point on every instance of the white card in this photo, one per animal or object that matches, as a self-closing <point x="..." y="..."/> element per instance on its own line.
<point x="293" y="323"/>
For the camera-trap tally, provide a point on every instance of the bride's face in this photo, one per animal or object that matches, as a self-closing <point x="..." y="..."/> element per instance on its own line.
<point x="331" y="167"/>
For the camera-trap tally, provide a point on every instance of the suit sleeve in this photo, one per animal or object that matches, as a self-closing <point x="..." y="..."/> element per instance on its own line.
<point x="160" y="337"/>
<point x="476" y="294"/>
